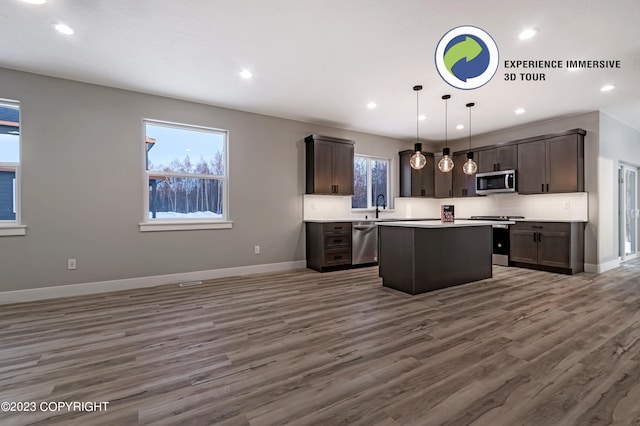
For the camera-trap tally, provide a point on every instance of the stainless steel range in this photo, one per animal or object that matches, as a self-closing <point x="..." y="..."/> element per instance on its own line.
<point x="500" y="238"/>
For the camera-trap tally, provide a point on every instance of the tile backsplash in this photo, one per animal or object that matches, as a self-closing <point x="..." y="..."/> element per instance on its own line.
<point x="570" y="206"/>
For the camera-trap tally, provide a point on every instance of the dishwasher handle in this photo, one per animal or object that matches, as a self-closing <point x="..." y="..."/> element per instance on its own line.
<point x="364" y="227"/>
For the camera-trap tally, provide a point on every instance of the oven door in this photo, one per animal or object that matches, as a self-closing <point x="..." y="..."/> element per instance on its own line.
<point x="501" y="245"/>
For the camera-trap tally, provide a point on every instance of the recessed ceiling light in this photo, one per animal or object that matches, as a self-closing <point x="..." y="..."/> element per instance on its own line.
<point x="520" y="111"/>
<point x="35" y="1"/>
<point x="527" y="34"/>
<point x="607" y="88"/>
<point x="460" y="126"/>
<point x="246" y="74"/>
<point x="422" y="117"/>
<point x="63" y="28"/>
<point x="371" y="105"/>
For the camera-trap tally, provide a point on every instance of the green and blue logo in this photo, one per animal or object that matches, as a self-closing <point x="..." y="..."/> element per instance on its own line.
<point x="467" y="57"/>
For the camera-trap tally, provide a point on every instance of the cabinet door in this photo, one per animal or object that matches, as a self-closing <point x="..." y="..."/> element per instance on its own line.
<point x="562" y="164"/>
<point x="442" y="181"/>
<point x="507" y="157"/>
<point x="427" y="178"/>
<point x="343" y="168"/>
<point x="406" y="173"/>
<point x="554" y="248"/>
<point x="322" y="167"/>
<point x="523" y="246"/>
<point x="487" y="160"/>
<point x="459" y="179"/>
<point x="531" y="167"/>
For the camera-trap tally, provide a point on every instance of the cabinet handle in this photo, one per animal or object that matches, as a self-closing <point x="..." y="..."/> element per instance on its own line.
<point x="547" y="187"/>
<point x="534" y="237"/>
<point x="498" y="166"/>
<point x="423" y="192"/>
<point x="536" y="226"/>
<point x="337" y="257"/>
<point x="542" y="188"/>
<point x="539" y="236"/>
<point x="449" y="193"/>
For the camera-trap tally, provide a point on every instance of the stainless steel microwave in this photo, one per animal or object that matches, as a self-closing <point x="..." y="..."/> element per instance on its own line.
<point x="492" y="182"/>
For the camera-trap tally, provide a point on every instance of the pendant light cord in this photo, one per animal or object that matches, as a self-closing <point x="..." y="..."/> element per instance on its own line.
<point x="469" y="128"/>
<point x="446" y="117"/>
<point x="417" y="119"/>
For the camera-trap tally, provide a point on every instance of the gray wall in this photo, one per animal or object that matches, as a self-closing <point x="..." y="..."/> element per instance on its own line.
<point x="618" y="143"/>
<point x="82" y="186"/>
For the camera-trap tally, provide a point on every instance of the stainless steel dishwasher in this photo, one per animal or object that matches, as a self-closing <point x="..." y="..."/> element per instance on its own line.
<point x="364" y="243"/>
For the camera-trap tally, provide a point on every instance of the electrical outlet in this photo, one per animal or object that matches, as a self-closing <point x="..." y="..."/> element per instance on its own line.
<point x="256" y="249"/>
<point x="567" y="205"/>
<point x="71" y="264"/>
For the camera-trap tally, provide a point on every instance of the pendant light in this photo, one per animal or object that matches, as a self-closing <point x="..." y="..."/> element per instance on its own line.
<point x="418" y="159"/>
<point x="446" y="163"/>
<point x="470" y="166"/>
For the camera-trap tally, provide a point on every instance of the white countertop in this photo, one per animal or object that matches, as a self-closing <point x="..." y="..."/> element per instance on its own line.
<point x="438" y="224"/>
<point x="382" y="219"/>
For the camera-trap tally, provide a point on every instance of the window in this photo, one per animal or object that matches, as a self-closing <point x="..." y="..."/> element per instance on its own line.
<point x="10" y="167"/>
<point x="371" y="178"/>
<point x="187" y="175"/>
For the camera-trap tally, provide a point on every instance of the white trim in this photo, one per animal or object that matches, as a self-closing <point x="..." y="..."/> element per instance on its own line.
<point x="601" y="267"/>
<point x="32" y="294"/>
<point x="184" y="225"/>
<point x="12" y="230"/>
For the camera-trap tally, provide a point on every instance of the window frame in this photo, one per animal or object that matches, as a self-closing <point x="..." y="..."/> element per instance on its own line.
<point x="14" y="227"/>
<point x="370" y="203"/>
<point x="161" y="224"/>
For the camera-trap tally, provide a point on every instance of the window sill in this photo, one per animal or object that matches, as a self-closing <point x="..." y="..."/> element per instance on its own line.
<point x="12" y="230"/>
<point x="183" y="226"/>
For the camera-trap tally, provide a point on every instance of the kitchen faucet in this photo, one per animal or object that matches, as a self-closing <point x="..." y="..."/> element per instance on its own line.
<point x="384" y="204"/>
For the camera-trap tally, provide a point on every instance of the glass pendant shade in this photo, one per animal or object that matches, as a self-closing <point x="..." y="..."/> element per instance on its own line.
<point x="446" y="163"/>
<point x="418" y="159"/>
<point x="469" y="167"/>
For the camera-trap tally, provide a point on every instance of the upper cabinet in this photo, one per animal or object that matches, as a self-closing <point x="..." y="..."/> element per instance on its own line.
<point x="463" y="185"/>
<point x="443" y="182"/>
<point x="496" y="159"/>
<point x="416" y="183"/>
<point x="329" y="165"/>
<point x="552" y="165"/>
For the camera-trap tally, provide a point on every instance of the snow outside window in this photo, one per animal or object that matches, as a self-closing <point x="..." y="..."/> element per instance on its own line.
<point x="187" y="174"/>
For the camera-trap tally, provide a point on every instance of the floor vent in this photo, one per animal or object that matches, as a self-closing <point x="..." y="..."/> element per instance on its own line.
<point x="189" y="283"/>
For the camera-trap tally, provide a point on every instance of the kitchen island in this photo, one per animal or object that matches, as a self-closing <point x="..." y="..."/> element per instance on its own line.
<point x="420" y="256"/>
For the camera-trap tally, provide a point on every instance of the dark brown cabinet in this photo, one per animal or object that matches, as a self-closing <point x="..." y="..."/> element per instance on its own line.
<point x="416" y="183"/>
<point x="551" y="165"/>
<point x="443" y="181"/>
<point x="553" y="246"/>
<point x="462" y="185"/>
<point x="496" y="159"/>
<point x="328" y="245"/>
<point x="329" y="165"/>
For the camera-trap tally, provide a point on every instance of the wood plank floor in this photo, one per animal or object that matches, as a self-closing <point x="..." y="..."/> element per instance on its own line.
<point x="303" y="348"/>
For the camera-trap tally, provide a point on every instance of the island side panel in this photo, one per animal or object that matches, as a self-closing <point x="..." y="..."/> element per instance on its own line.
<point x="450" y="256"/>
<point x="395" y="258"/>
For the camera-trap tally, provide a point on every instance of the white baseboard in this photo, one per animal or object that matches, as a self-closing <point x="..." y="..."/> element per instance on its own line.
<point x="32" y="294"/>
<point x="601" y="267"/>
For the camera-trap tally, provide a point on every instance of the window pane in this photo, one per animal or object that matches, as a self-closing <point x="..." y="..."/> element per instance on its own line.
<point x="378" y="181"/>
<point x="359" y="199"/>
<point x="182" y="197"/>
<point x="9" y="133"/>
<point x="175" y="149"/>
<point x="7" y="193"/>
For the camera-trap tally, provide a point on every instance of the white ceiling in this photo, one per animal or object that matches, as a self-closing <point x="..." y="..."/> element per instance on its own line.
<point x="322" y="61"/>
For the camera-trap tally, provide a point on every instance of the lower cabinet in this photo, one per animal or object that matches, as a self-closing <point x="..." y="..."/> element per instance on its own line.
<point x="328" y="245"/>
<point x="551" y="246"/>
